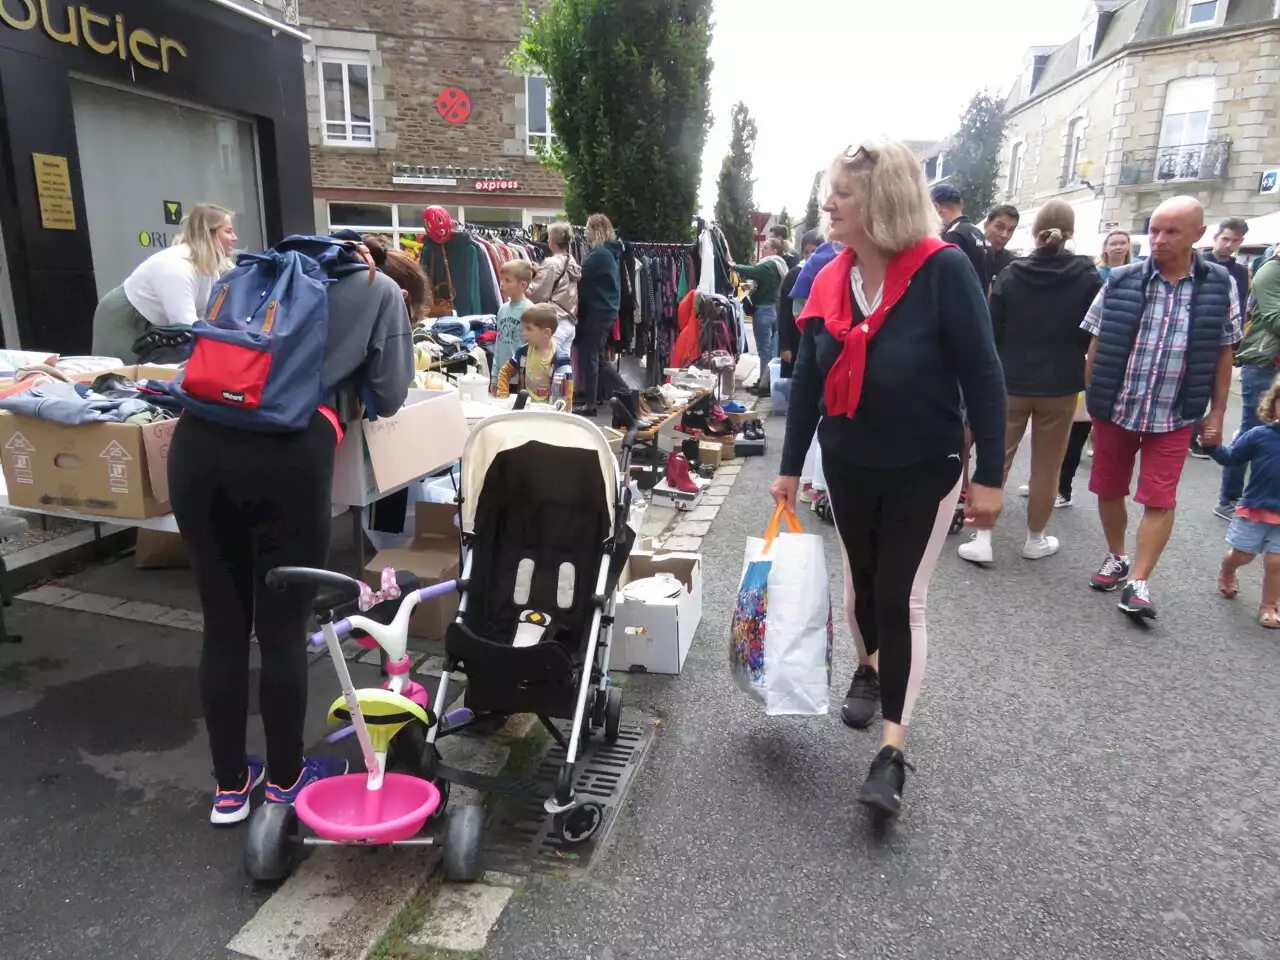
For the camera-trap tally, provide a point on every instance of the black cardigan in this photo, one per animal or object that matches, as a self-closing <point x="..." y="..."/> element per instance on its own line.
<point x="935" y="342"/>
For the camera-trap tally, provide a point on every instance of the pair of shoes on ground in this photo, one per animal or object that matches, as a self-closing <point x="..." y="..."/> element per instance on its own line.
<point x="753" y="430"/>
<point x="1135" y="596"/>
<point x="978" y="548"/>
<point x="1058" y="501"/>
<point x="882" y="790"/>
<point x="232" y="806"/>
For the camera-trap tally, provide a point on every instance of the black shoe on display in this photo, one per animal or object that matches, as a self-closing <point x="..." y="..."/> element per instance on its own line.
<point x="863" y="699"/>
<point x="883" y="787"/>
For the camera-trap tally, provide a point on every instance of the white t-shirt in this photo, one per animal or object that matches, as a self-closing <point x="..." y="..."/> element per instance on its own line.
<point x="167" y="289"/>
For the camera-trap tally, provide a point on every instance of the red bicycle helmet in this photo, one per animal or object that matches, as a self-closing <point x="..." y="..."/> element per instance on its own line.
<point x="438" y="223"/>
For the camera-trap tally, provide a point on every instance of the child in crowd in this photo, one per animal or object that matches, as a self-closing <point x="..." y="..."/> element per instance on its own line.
<point x="515" y="278"/>
<point x="1255" y="528"/>
<point x="539" y="367"/>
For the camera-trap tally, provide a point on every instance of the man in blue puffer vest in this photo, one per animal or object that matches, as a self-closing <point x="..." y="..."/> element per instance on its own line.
<point x="1161" y="355"/>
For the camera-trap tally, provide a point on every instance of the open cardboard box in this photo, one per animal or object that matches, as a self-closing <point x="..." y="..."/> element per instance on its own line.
<point x="435" y="556"/>
<point x="383" y="455"/>
<point x="655" y="637"/>
<point x="102" y="469"/>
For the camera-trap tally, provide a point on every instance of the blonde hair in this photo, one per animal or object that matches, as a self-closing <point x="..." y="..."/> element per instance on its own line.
<point x="1054" y="225"/>
<point x="544" y="316"/>
<point x="600" y="229"/>
<point x="1128" y="249"/>
<point x="892" y="197"/>
<point x="200" y="233"/>
<point x="1267" y="405"/>
<point x="521" y="271"/>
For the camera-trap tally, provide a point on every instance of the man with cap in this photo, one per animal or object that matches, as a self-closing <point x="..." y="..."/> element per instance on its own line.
<point x="960" y="230"/>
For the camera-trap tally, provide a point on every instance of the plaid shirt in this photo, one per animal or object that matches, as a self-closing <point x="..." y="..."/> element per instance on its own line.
<point x="1148" y="397"/>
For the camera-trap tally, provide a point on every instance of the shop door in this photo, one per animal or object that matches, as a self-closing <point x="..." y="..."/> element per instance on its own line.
<point x="145" y="161"/>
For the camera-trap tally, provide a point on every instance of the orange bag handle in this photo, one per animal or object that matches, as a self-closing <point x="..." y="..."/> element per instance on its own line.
<point x="780" y="513"/>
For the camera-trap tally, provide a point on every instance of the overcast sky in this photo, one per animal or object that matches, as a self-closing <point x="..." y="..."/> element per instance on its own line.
<point x="856" y="68"/>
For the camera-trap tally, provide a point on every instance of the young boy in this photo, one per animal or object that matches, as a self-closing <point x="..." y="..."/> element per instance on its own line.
<point x="539" y="366"/>
<point x="514" y="279"/>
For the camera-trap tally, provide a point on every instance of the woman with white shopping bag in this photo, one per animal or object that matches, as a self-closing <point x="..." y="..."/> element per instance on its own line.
<point x="894" y="328"/>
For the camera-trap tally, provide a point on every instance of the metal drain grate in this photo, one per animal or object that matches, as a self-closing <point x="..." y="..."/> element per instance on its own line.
<point x="521" y="834"/>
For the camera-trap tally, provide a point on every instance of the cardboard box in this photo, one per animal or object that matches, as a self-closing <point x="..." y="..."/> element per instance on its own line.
<point x="710" y="453"/>
<point x="435" y="556"/>
<point x="157" y="550"/>
<point x="385" y="454"/>
<point x="614" y="438"/>
<point x="655" y="636"/>
<point x="665" y="495"/>
<point x="728" y="449"/>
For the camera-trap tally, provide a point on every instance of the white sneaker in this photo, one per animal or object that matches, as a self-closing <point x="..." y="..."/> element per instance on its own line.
<point x="1024" y="490"/>
<point x="1061" y="501"/>
<point x="977" y="549"/>
<point x="1039" y="549"/>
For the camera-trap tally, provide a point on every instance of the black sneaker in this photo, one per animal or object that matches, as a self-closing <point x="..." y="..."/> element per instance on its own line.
<point x="883" y="787"/>
<point x="863" y="699"/>
<point x="1135" y="600"/>
<point x="1113" y="572"/>
<point x="1197" y="451"/>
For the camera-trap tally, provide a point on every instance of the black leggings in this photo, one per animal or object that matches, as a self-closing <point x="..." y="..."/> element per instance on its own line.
<point x="594" y="370"/>
<point x="246" y="502"/>
<point x="1071" y="462"/>
<point x="892" y="524"/>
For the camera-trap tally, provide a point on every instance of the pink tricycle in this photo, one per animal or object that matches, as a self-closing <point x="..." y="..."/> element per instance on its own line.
<point x="373" y="808"/>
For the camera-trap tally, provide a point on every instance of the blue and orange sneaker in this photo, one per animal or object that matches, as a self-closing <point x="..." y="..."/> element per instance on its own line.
<point x="313" y="769"/>
<point x="232" y="806"/>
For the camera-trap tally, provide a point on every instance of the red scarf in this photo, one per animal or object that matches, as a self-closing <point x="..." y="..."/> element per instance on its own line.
<point x="831" y="299"/>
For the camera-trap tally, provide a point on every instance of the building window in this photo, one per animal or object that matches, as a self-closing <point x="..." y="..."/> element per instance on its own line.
<point x="346" y="102"/>
<point x="1088" y="39"/>
<point x="1203" y="14"/>
<point x="537" y="99"/>
<point x="1074" y="152"/>
<point x="1016" y="160"/>
<point x="1184" y="132"/>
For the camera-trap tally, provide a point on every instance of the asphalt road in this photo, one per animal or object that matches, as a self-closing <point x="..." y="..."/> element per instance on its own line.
<point x="1087" y="787"/>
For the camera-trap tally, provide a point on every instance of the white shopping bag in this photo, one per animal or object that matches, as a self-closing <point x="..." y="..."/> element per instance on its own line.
<point x="781" y="637"/>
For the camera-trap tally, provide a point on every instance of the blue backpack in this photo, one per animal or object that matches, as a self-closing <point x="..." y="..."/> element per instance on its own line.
<point x="258" y="355"/>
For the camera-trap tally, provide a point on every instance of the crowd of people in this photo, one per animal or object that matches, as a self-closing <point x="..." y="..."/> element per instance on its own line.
<point x="918" y="336"/>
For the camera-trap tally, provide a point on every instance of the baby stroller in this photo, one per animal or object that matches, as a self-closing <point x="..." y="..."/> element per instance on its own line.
<point x="544" y="511"/>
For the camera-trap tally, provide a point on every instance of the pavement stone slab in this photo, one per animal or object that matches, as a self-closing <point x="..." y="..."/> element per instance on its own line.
<point x="184" y="619"/>
<point x="50" y="595"/>
<point x="462" y="916"/>
<point x="683" y="544"/>
<point x="704" y="512"/>
<point x="691" y="528"/>
<point x="92" y="603"/>
<point x="141" y="610"/>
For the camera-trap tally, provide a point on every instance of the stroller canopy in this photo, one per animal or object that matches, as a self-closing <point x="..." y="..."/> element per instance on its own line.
<point x="509" y="431"/>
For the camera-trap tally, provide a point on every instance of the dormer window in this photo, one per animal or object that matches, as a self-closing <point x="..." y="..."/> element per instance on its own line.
<point x="1202" y="14"/>
<point x="1088" y="41"/>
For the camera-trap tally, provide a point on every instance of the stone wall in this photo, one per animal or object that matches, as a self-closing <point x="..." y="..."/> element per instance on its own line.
<point x="418" y="48"/>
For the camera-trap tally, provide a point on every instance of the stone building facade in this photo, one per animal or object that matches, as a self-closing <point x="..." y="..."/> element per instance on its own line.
<point x="412" y="103"/>
<point x="1153" y="99"/>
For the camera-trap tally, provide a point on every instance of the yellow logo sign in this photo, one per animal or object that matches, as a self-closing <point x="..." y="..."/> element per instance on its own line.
<point x="76" y="23"/>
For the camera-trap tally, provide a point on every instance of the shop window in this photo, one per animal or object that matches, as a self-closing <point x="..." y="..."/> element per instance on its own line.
<point x="399" y="225"/>
<point x="362" y="216"/>
<point x="537" y="99"/>
<point x="347" y="104"/>
<point x="495" y="216"/>
<point x="1184" y="131"/>
<point x="1203" y="14"/>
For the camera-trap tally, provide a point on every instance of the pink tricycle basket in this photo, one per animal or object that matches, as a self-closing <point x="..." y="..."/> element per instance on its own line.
<point x="345" y="810"/>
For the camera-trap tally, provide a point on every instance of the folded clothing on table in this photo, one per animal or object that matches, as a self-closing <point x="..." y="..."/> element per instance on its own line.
<point x="78" y="403"/>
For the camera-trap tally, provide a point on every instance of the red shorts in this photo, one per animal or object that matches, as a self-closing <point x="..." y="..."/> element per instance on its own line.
<point x="1163" y="457"/>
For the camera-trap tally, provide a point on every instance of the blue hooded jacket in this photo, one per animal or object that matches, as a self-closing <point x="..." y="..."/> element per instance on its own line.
<point x="821" y="257"/>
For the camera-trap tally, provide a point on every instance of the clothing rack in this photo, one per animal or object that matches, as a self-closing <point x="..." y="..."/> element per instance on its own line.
<point x="654" y="365"/>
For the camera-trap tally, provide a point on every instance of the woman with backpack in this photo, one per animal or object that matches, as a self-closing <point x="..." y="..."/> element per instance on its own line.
<point x="148" y="318"/>
<point x="248" y="500"/>
<point x="557" y="283"/>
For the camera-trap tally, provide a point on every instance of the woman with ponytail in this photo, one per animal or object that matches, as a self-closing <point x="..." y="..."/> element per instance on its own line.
<point x="1037" y="304"/>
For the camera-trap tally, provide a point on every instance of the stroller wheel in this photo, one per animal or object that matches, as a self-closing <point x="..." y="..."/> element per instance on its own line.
<point x="613" y="714"/>
<point x="443" y="786"/>
<point x="957" y="521"/>
<point x="599" y="707"/>
<point x="272" y="842"/>
<point x="579" y="824"/>
<point x="464" y="844"/>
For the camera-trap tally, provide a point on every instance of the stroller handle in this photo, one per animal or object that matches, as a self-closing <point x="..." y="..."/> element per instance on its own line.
<point x="633" y="429"/>
<point x="343" y="627"/>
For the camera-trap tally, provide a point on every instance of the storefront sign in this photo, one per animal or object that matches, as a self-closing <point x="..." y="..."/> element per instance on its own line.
<point x="1270" y="182"/>
<point x="492" y="186"/>
<point x="53" y="188"/>
<point x="74" y="24"/>
<point x="173" y="212"/>
<point x="454" y="105"/>
<point x="423" y="175"/>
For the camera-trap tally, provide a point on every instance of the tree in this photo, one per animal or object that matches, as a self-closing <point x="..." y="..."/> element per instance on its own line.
<point x="630" y="109"/>
<point x="975" y="153"/>
<point x="813" y="211"/>
<point x="784" y="220"/>
<point x="735" y="204"/>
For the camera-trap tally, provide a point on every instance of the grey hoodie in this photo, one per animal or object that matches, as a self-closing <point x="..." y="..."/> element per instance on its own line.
<point x="370" y="345"/>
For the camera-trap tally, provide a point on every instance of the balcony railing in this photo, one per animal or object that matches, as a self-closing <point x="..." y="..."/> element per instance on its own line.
<point x="1193" y="161"/>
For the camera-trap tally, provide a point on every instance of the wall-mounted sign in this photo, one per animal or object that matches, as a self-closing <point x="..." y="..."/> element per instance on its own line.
<point x="53" y="188"/>
<point x="1270" y="182"/>
<point x="173" y="212"/>
<point x="426" y="175"/>
<point x="454" y="105"/>
<point x="100" y="32"/>
<point x="492" y="186"/>
<point x="155" y="239"/>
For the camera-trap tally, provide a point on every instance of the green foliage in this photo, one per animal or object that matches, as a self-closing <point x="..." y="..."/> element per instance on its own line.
<point x="784" y="219"/>
<point x="975" y="153"/>
<point x="813" y="210"/>
<point x="735" y="203"/>
<point x="630" y="107"/>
